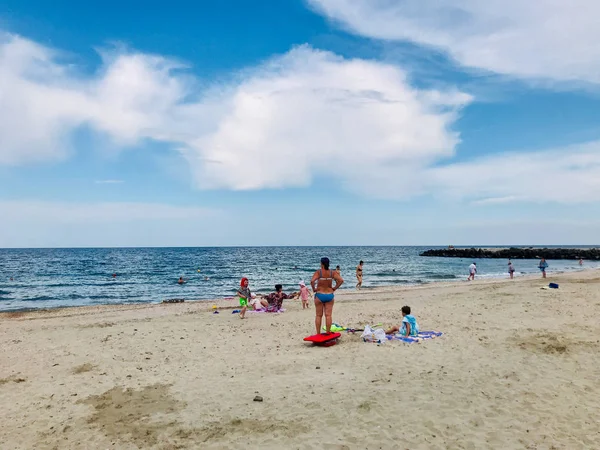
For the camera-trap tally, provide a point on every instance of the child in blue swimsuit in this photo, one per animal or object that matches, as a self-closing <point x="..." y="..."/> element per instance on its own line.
<point x="409" y="326"/>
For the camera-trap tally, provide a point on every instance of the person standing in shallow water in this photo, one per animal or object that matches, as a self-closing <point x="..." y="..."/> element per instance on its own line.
<point x="359" y="275"/>
<point x="322" y="285"/>
<point x="543" y="266"/>
<point x="511" y="270"/>
<point x="472" y="271"/>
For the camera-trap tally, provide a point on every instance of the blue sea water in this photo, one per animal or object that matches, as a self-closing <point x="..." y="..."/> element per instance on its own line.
<point x="46" y="278"/>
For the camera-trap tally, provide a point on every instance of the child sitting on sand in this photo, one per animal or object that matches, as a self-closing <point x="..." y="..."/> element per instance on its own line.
<point x="244" y="295"/>
<point x="257" y="303"/>
<point x="409" y="324"/>
<point x="304" y="295"/>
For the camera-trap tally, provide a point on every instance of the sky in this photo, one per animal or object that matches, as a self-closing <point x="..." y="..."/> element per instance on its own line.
<point x="299" y="122"/>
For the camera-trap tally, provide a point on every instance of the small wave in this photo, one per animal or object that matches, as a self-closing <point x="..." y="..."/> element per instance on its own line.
<point x="71" y="297"/>
<point x="442" y="276"/>
<point x="40" y="298"/>
<point x="389" y="273"/>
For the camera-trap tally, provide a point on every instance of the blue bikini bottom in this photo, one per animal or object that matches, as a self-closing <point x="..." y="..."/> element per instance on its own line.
<point x="324" y="298"/>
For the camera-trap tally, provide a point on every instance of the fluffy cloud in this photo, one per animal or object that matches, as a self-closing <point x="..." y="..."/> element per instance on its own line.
<point x="312" y="113"/>
<point x="43" y="100"/>
<point x="305" y="115"/>
<point x="302" y="114"/>
<point x="539" y="39"/>
<point x="566" y="175"/>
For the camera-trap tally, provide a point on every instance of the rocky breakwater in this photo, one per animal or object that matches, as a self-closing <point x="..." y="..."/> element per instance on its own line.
<point x="516" y="253"/>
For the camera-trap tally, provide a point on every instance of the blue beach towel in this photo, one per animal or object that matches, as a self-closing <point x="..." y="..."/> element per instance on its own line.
<point x="422" y="336"/>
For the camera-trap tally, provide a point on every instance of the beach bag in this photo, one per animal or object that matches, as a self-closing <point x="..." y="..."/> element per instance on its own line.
<point x="374" y="335"/>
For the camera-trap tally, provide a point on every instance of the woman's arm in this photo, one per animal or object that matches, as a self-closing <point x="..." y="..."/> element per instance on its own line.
<point x="338" y="280"/>
<point x="314" y="279"/>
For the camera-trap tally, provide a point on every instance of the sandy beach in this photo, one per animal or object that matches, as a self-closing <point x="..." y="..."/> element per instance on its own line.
<point x="517" y="367"/>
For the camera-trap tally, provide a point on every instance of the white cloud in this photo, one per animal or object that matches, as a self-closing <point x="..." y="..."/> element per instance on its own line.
<point x="313" y="113"/>
<point x="540" y="39"/>
<point x="299" y="116"/>
<point x="302" y="114"/>
<point x="565" y="175"/>
<point x="43" y="99"/>
<point x="109" y="182"/>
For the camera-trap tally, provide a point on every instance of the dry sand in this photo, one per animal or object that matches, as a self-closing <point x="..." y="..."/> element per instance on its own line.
<point x="518" y="367"/>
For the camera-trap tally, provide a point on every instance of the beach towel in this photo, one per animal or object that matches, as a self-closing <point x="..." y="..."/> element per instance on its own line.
<point x="266" y="310"/>
<point x="422" y="336"/>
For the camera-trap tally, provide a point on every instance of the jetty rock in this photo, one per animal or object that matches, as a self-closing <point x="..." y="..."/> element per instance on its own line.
<point x="592" y="254"/>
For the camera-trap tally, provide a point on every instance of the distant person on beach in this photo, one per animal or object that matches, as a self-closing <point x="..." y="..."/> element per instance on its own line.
<point x="322" y="285"/>
<point x="543" y="266"/>
<point x="472" y="272"/>
<point x="244" y="296"/>
<point x="359" y="275"/>
<point x="409" y="325"/>
<point x="581" y="261"/>
<point x="181" y="280"/>
<point x="338" y="270"/>
<point x="304" y="295"/>
<point x="511" y="270"/>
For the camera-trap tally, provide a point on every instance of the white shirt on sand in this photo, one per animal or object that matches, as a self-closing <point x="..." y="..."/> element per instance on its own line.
<point x="472" y="268"/>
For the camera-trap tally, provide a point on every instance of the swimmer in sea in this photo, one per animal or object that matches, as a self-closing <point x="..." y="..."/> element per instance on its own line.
<point x="181" y="280"/>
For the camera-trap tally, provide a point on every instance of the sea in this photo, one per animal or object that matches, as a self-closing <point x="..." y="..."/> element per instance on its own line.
<point x="50" y="278"/>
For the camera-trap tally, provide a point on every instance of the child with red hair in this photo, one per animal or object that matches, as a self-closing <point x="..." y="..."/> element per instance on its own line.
<point x="244" y="295"/>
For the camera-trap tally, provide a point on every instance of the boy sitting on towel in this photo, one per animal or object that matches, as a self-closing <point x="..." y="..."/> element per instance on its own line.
<point x="409" y="324"/>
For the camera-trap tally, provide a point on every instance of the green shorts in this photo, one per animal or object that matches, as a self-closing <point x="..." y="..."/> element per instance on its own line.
<point x="243" y="301"/>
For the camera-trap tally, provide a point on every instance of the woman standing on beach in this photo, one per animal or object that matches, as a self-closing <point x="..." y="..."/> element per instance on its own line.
<point x="543" y="266"/>
<point x="359" y="275"/>
<point x="322" y="285"/>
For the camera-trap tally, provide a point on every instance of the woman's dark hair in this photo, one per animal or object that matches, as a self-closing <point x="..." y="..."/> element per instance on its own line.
<point x="406" y="309"/>
<point x="278" y="287"/>
<point x="325" y="262"/>
<point x="361" y="262"/>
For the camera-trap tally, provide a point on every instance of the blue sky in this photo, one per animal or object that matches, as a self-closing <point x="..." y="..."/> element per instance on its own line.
<point x="299" y="122"/>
